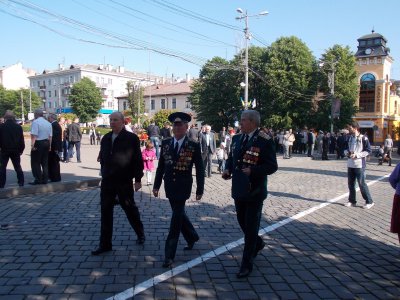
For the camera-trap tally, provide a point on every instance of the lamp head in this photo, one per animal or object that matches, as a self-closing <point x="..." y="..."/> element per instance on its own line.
<point x="239" y="10"/>
<point x="263" y="13"/>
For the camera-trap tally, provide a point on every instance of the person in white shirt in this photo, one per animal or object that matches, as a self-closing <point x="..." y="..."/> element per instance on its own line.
<point x="388" y="145"/>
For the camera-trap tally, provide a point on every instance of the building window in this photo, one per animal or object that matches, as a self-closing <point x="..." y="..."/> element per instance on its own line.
<point x="367" y="93"/>
<point x="153" y="104"/>
<point x="110" y="105"/>
<point x="395" y="107"/>
<point x="49" y="104"/>
<point x="55" y="93"/>
<point x="124" y="105"/>
<point x="109" y="80"/>
<point x="188" y="103"/>
<point x="38" y="83"/>
<point x="173" y="103"/>
<point x="38" y="93"/>
<point x="49" y="93"/>
<point x="49" y="82"/>
<point x="362" y="43"/>
<point x="162" y="103"/>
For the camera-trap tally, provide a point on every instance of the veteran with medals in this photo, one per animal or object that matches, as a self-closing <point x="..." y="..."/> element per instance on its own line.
<point x="251" y="158"/>
<point x="178" y="154"/>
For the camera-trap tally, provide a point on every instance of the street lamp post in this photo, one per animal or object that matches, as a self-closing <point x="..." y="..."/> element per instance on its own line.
<point x="331" y="84"/>
<point x="247" y="35"/>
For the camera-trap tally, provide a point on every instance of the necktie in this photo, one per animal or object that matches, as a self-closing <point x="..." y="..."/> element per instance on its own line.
<point x="245" y="140"/>
<point x="176" y="148"/>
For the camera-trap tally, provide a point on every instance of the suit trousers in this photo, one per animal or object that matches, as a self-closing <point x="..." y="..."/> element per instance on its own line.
<point x="248" y="214"/>
<point x="208" y="162"/>
<point x="40" y="161"/>
<point x="124" y="191"/>
<point x="179" y="223"/>
<point x="54" y="166"/>
<point x="16" y="161"/>
<point x="71" y="149"/>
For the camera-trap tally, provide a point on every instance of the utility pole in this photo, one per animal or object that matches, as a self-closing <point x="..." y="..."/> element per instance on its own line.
<point x="331" y="85"/>
<point x="22" y="108"/>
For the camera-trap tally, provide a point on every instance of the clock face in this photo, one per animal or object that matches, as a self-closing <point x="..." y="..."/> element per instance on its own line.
<point x="368" y="51"/>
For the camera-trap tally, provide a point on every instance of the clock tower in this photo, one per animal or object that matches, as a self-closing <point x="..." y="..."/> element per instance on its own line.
<point x="373" y="69"/>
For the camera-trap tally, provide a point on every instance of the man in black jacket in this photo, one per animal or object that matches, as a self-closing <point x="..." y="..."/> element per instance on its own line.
<point x="121" y="162"/>
<point x="74" y="139"/>
<point x="55" y="149"/>
<point x="154" y="135"/>
<point x="12" y="145"/>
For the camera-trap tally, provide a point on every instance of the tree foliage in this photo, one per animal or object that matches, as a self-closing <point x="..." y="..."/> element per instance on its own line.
<point x="85" y="100"/>
<point x="161" y="117"/>
<point x="135" y="101"/>
<point x="11" y="100"/>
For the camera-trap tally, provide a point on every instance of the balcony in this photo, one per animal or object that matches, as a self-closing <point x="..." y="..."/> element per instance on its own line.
<point x="42" y="87"/>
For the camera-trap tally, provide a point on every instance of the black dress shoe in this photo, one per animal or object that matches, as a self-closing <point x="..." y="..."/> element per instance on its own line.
<point x="101" y="250"/>
<point x="259" y="248"/>
<point x="167" y="263"/>
<point x="141" y="240"/>
<point x="190" y="245"/>
<point x="35" y="183"/>
<point x="243" y="272"/>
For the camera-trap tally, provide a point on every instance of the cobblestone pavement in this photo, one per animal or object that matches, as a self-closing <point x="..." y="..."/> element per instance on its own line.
<point x="332" y="252"/>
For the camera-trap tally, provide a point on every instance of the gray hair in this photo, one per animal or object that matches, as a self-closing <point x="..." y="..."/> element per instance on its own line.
<point x="119" y="114"/>
<point x="9" y="115"/>
<point x="252" y="115"/>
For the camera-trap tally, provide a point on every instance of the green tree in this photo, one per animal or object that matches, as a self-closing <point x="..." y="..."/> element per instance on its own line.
<point x="161" y="117"/>
<point x="85" y="99"/>
<point x="216" y="94"/>
<point x="135" y="101"/>
<point x="341" y="60"/>
<point x="11" y="100"/>
<point x="290" y="73"/>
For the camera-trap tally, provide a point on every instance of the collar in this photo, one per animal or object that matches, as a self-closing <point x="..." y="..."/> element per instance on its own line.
<point x="180" y="142"/>
<point x="250" y="135"/>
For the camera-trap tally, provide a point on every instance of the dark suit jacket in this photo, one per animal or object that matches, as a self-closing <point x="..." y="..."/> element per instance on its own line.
<point x="11" y="137"/>
<point x="203" y="144"/>
<point x="56" y="140"/>
<point x="74" y="132"/>
<point x="176" y="170"/>
<point x="259" y="154"/>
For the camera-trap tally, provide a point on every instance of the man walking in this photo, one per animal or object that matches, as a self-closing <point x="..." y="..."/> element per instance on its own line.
<point x="41" y="135"/>
<point x="153" y="132"/>
<point x="55" y="149"/>
<point x="121" y="162"/>
<point x="74" y="139"/>
<point x="12" y="145"/>
<point x="358" y="148"/>
<point x="251" y="159"/>
<point x="208" y="147"/>
<point x="178" y="155"/>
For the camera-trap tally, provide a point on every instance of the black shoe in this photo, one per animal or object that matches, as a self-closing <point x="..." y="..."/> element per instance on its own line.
<point x="167" y="263"/>
<point x="101" y="250"/>
<point x="20" y="184"/>
<point x="259" y="248"/>
<point x="35" y="183"/>
<point x="190" y="245"/>
<point x="141" y="240"/>
<point x="78" y="161"/>
<point x="243" y="272"/>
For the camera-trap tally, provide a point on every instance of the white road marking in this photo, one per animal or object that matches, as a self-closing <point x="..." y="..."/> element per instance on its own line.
<point x="129" y="293"/>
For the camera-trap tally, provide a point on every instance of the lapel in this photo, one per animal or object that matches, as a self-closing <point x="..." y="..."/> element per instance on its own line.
<point x="239" y="151"/>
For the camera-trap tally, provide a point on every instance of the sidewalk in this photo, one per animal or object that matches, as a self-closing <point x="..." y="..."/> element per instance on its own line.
<point x="316" y="247"/>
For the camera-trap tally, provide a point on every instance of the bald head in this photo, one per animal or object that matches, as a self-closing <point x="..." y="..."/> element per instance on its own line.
<point x="9" y="115"/>
<point x="117" y="122"/>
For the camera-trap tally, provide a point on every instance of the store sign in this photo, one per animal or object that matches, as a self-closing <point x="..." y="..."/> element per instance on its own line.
<point x="366" y="124"/>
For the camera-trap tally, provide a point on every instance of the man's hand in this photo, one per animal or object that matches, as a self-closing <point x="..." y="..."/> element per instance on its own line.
<point x="246" y="171"/>
<point x="138" y="185"/>
<point x="198" y="197"/>
<point x="155" y="193"/>
<point x="226" y="175"/>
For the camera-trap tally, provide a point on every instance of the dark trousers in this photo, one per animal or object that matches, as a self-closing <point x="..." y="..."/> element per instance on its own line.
<point x="65" y="150"/>
<point x="54" y="166"/>
<point x="16" y="161"/>
<point x="71" y="148"/>
<point x="92" y="139"/>
<point x="358" y="174"/>
<point x="40" y="161"/>
<point x="248" y="214"/>
<point x="179" y="223"/>
<point x="124" y="191"/>
<point x="207" y="162"/>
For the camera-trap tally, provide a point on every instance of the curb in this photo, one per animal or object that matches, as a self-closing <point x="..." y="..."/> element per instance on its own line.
<point x="49" y="188"/>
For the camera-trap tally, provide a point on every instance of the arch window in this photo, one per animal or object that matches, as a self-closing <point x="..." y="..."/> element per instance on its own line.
<point x="367" y="93"/>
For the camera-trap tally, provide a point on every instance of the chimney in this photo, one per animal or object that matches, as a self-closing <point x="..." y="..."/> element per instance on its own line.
<point x="101" y="67"/>
<point x="188" y="77"/>
<point x="121" y="69"/>
<point x="60" y="67"/>
<point x="109" y="67"/>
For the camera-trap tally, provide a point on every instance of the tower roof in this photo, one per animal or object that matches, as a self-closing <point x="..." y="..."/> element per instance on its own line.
<point x="372" y="35"/>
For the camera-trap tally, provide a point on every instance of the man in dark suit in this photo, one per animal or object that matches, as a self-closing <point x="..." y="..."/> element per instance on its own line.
<point x="74" y="139"/>
<point x="55" y="149"/>
<point x="208" y="147"/>
<point x="12" y="145"/>
<point x="121" y="162"/>
<point x="251" y="159"/>
<point x="177" y="157"/>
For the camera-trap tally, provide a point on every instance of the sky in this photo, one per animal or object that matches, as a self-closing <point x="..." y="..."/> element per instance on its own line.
<point x="176" y="37"/>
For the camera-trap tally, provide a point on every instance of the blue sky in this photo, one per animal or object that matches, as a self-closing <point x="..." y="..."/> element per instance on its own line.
<point x="96" y="29"/>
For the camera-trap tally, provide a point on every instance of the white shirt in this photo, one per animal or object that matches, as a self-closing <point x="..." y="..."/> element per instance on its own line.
<point x="41" y="128"/>
<point x="179" y="143"/>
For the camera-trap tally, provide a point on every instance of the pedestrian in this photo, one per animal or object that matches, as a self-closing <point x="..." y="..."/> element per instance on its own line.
<point x="92" y="135"/>
<point x="208" y="147"/>
<point x="394" y="180"/>
<point x="165" y="132"/>
<point x="41" y="135"/>
<point x="388" y="145"/>
<point x="285" y="145"/>
<point x="250" y="161"/>
<point x="74" y="139"/>
<point x="221" y="157"/>
<point x="128" y="124"/>
<point x="358" y="148"/>
<point x="310" y="143"/>
<point x="193" y="133"/>
<point x="149" y="155"/>
<point x="12" y="146"/>
<point x="98" y="138"/>
<point x="55" y="149"/>
<point x="325" y="145"/>
<point x="65" y="140"/>
<point x="154" y="135"/>
<point x="121" y="162"/>
<point x="178" y="154"/>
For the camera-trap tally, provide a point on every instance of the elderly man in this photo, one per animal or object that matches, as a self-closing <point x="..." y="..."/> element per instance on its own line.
<point x="74" y="139"/>
<point x="251" y="159"/>
<point x="208" y="147"/>
<point x="177" y="157"/>
<point x="12" y="145"/>
<point x="41" y="135"/>
<point x="55" y="149"/>
<point x="121" y="162"/>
